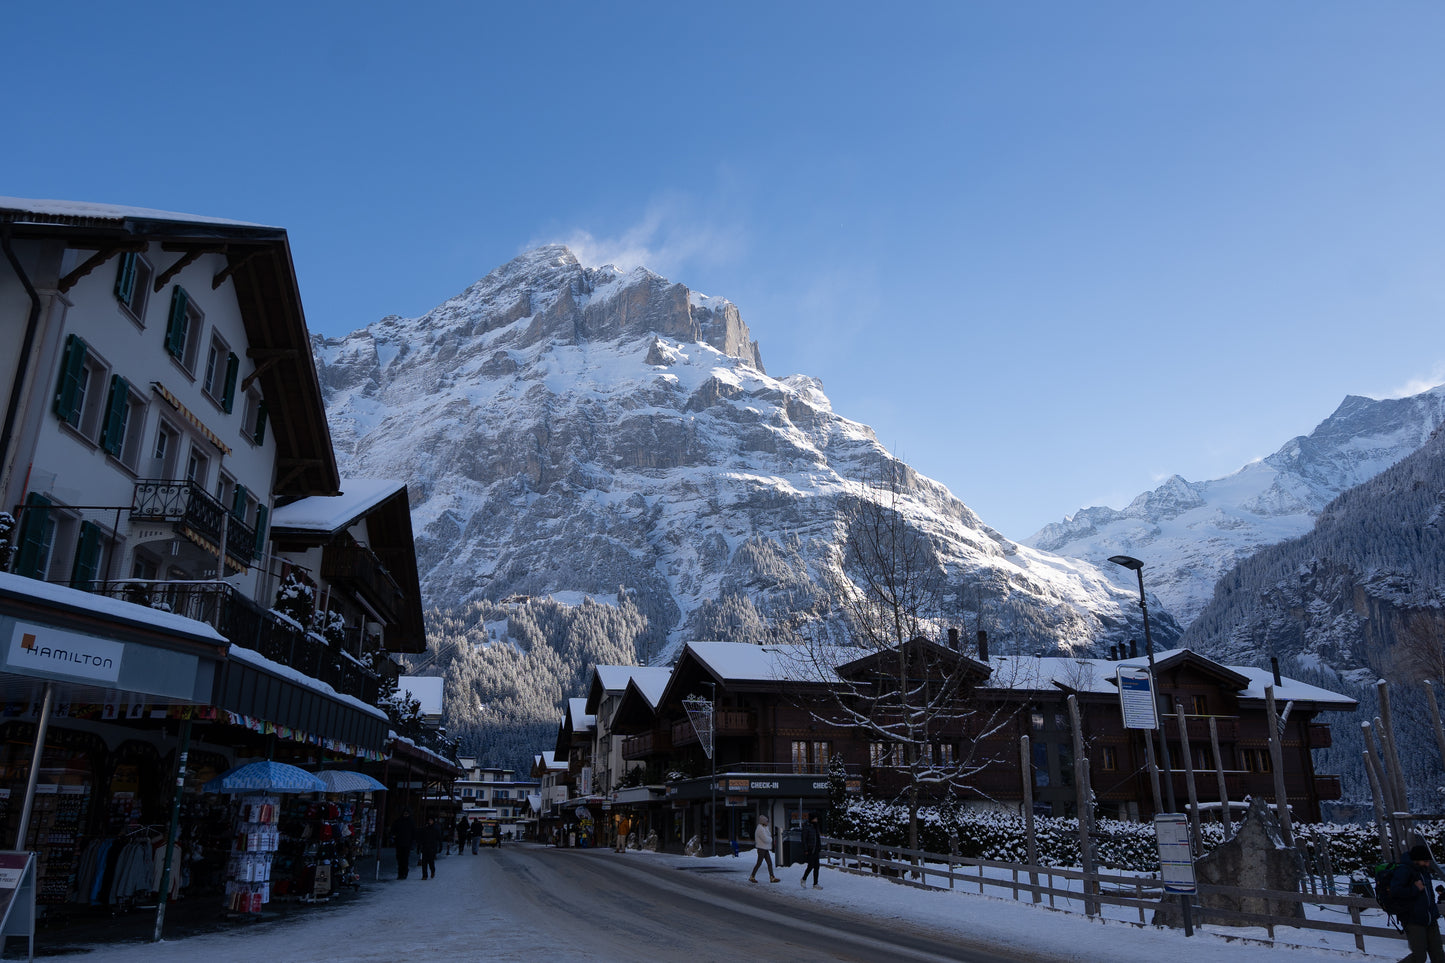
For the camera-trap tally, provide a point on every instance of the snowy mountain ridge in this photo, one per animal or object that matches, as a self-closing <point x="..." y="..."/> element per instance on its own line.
<point x="565" y="429"/>
<point x="1191" y="533"/>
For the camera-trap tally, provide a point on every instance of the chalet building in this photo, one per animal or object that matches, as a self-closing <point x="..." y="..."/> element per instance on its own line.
<point x="779" y="720"/>
<point x="166" y="471"/>
<point x="490" y="792"/>
<point x="554" y="788"/>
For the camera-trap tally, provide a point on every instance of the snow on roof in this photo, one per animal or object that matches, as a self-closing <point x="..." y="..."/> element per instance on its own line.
<point x="252" y="657"/>
<point x="332" y="513"/>
<point x="426" y="689"/>
<point x="745" y="662"/>
<point x="548" y="758"/>
<point x="651" y="683"/>
<point x="107" y="607"/>
<point x="614" y="677"/>
<point x="577" y="715"/>
<point x="54" y="208"/>
<point x="1041" y="672"/>
<point x="1288" y="689"/>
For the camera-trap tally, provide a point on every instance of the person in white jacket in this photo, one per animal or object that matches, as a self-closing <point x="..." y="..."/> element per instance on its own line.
<point x="763" y="841"/>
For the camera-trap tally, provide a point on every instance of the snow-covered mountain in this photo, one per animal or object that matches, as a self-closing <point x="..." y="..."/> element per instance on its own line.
<point x="1191" y="533"/>
<point x="576" y="430"/>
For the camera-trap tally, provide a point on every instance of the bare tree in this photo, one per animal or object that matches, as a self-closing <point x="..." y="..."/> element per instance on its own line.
<point x="1419" y="649"/>
<point x="913" y="697"/>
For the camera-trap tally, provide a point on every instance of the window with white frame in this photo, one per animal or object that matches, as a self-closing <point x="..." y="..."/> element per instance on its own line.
<point x="80" y="390"/>
<point x="253" y="417"/>
<point x="198" y="466"/>
<point x="183" y="329"/>
<point x="123" y="427"/>
<point x="218" y="378"/>
<point x="133" y="285"/>
<point x="166" y="451"/>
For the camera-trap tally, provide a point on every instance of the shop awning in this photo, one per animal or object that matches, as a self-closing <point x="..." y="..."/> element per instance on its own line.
<point x="100" y="650"/>
<point x="266" y="696"/>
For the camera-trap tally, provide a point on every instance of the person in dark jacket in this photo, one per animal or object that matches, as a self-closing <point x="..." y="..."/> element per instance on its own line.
<point x="428" y="842"/>
<point x="1411" y="883"/>
<point x="812" y="850"/>
<point x="403" y="832"/>
<point x="464" y="829"/>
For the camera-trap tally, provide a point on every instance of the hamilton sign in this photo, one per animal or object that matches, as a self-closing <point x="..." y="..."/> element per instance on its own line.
<point x="45" y="651"/>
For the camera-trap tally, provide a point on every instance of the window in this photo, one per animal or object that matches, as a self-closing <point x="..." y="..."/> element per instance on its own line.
<point x="125" y="411"/>
<point x="168" y="440"/>
<point x="882" y="754"/>
<point x="1109" y="759"/>
<point x="1040" y="753"/>
<point x="183" y="329"/>
<point x="133" y="285"/>
<point x="253" y="418"/>
<point x="218" y="380"/>
<point x="225" y="487"/>
<point x="80" y="393"/>
<point x="37" y="532"/>
<point x="1255" y="760"/>
<point x="812" y="756"/>
<point x="197" y="466"/>
<point x="1199" y="705"/>
<point x="946" y="754"/>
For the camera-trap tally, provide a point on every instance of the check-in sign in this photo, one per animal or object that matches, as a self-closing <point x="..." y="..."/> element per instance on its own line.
<point x="1136" y="696"/>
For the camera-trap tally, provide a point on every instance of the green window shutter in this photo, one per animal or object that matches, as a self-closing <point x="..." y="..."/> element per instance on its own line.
<point x="35" y="527"/>
<point x="72" y="376"/>
<point x="238" y="503"/>
<point x="260" y="434"/>
<point x="262" y="514"/>
<point x="228" y="397"/>
<point x="112" y="435"/>
<point x="176" y="327"/>
<point x="125" y="279"/>
<point x="87" y="557"/>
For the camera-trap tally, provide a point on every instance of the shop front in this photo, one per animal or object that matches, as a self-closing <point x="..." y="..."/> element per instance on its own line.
<point x="739" y="798"/>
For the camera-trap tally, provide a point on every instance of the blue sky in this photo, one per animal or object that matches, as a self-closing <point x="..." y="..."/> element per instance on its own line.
<point x="1052" y="252"/>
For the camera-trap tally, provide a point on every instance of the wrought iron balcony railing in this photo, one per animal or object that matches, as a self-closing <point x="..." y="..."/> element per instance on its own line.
<point x="188" y="506"/>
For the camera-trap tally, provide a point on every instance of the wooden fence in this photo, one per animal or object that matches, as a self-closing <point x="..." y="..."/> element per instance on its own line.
<point x="916" y="868"/>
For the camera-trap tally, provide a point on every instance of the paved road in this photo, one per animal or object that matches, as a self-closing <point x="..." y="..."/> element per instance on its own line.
<point x="626" y="907"/>
<point x="526" y="902"/>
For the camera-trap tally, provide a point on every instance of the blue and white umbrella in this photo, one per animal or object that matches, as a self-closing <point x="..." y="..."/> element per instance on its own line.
<point x="347" y="780"/>
<point x="265" y="777"/>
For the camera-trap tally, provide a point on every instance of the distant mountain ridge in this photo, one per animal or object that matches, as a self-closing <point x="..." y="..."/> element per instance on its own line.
<point x="589" y="431"/>
<point x="1191" y="533"/>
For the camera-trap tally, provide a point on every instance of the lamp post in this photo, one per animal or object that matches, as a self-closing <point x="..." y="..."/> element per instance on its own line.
<point x="1137" y="567"/>
<point x="712" y="816"/>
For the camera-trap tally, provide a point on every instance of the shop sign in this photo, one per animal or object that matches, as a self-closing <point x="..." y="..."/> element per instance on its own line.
<point x="46" y="651"/>
<point x="735" y="785"/>
<point x="17" y="896"/>
<point x="736" y="800"/>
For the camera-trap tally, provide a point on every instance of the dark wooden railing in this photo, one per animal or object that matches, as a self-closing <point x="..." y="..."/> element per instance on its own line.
<point x="185" y="504"/>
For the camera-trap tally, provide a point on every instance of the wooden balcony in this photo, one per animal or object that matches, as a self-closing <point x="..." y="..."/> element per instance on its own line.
<point x="1320" y="737"/>
<point x="195" y="514"/>
<point x="356" y="566"/>
<point x="1328" y="788"/>
<point x="730" y="722"/>
<point x="646" y="744"/>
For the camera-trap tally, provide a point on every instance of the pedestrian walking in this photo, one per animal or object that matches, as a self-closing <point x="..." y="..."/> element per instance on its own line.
<point x="763" y="842"/>
<point x="462" y="832"/>
<point x="812" y="850"/>
<point x="403" y="833"/>
<point x="428" y="841"/>
<point x="475" y="832"/>
<point x="1411" y="885"/>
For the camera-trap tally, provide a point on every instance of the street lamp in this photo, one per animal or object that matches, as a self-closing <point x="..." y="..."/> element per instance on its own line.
<point x="1137" y="567"/>
<point x="712" y="816"/>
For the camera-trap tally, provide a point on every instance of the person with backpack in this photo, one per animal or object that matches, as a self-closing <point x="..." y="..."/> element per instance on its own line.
<point x="1415" y="907"/>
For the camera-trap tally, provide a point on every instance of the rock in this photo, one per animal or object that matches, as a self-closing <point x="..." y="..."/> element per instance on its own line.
<point x="1256" y="858"/>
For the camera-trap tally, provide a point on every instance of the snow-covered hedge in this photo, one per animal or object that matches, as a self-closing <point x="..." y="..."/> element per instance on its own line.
<point x="1118" y="845"/>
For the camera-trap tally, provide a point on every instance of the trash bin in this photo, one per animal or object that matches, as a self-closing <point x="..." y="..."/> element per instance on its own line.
<point x="792" y="848"/>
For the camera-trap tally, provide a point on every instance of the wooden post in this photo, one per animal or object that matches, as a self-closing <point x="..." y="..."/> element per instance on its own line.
<point x="1030" y="841"/>
<point x="1083" y="797"/>
<point x="1372" y="769"/>
<point x="1435" y="718"/>
<point x="1223" y="786"/>
<point x="1189" y="780"/>
<point x="1387" y="731"/>
<point x="1153" y="769"/>
<point x="1390" y="784"/>
<point x="1276" y="756"/>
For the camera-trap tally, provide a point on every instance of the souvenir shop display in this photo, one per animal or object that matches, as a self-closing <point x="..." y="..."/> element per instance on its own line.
<point x="56" y="824"/>
<point x="119" y="871"/>
<point x="248" y="873"/>
<point x="321" y="840"/>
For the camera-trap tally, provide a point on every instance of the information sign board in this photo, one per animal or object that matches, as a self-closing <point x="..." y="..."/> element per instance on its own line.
<point x="1176" y="858"/>
<point x="1136" y="696"/>
<point x="17" y="897"/>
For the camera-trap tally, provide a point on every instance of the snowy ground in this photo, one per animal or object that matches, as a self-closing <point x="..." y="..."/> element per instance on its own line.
<point x="459" y="918"/>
